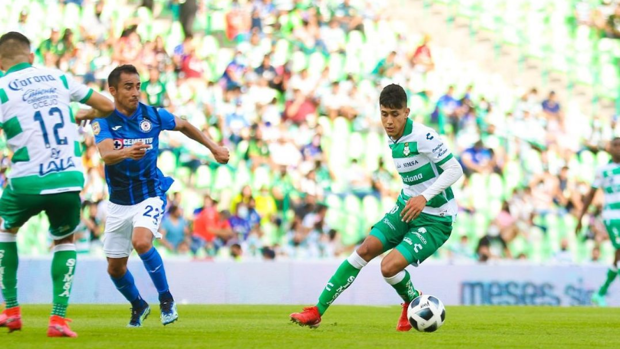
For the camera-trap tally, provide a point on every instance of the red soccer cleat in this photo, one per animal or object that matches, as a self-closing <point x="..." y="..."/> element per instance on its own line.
<point x="403" y="323"/>
<point x="308" y="317"/>
<point x="12" y="319"/>
<point x="59" y="328"/>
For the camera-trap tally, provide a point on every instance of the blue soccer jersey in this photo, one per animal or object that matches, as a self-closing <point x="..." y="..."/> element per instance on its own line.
<point x="133" y="181"/>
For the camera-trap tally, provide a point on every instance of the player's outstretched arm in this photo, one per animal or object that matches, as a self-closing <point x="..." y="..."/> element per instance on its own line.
<point x="111" y="156"/>
<point x="101" y="108"/>
<point x="220" y="153"/>
<point x="587" y="200"/>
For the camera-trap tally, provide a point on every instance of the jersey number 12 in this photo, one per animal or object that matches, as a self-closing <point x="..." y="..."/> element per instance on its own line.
<point x="39" y="117"/>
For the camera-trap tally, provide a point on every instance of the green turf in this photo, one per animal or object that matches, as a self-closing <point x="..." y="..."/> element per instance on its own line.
<point x="102" y="326"/>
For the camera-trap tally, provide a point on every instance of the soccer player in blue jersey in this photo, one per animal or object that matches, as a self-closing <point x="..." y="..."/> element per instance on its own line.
<point x="128" y="143"/>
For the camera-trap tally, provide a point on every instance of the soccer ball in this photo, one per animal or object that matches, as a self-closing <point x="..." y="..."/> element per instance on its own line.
<point x="426" y="313"/>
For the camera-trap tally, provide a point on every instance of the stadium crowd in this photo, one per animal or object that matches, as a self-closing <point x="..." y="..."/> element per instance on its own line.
<point x="280" y="87"/>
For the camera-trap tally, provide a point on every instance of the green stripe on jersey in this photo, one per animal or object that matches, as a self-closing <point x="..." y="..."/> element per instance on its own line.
<point x="65" y="83"/>
<point x="3" y="97"/>
<point x="77" y="149"/>
<point x="404" y="150"/>
<point x="609" y="173"/>
<point x="87" y="97"/>
<point x="612" y="206"/>
<point x="419" y="175"/>
<point x="21" y="155"/>
<point x="34" y="185"/>
<point x="444" y="160"/>
<point x="12" y="127"/>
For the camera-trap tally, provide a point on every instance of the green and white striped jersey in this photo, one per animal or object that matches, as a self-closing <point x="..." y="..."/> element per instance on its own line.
<point x="417" y="154"/>
<point x="608" y="179"/>
<point x="36" y="117"/>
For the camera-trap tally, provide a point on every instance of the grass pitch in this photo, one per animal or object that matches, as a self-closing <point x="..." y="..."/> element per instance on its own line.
<point x="102" y="326"/>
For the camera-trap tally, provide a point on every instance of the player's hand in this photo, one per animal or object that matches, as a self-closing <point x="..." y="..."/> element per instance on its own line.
<point x="221" y="154"/>
<point x="137" y="150"/>
<point x="413" y="208"/>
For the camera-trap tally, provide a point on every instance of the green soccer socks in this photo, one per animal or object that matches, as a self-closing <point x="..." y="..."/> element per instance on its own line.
<point x="340" y="281"/>
<point x="63" y="268"/>
<point x="8" y="265"/>
<point x="403" y="286"/>
<point x="612" y="273"/>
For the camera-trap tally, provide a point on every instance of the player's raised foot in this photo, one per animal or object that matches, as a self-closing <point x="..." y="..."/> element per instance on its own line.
<point x="168" y="312"/>
<point x="599" y="300"/>
<point x="308" y="317"/>
<point x="139" y="314"/>
<point x="59" y="327"/>
<point x="403" y="323"/>
<point x="12" y="319"/>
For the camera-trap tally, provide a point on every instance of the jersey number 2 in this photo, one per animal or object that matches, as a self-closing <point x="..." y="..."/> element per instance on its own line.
<point x="150" y="209"/>
<point x="39" y="117"/>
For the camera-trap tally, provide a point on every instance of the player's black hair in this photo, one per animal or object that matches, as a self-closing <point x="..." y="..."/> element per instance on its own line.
<point x="13" y="43"/>
<point x="393" y="96"/>
<point x="115" y="76"/>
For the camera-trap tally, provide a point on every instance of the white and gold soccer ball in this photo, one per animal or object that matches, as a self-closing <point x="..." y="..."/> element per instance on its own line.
<point x="426" y="313"/>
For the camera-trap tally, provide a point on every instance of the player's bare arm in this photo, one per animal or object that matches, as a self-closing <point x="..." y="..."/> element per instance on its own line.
<point x="101" y="107"/>
<point x="220" y="153"/>
<point x="587" y="200"/>
<point x="113" y="156"/>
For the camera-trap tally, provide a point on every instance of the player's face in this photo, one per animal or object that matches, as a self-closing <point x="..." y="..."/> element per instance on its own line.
<point x="394" y="120"/>
<point x="127" y="92"/>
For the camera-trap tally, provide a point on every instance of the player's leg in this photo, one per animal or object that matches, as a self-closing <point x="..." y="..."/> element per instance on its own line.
<point x="613" y="229"/>
<point x="63" y="212"/>
<point x="423" y="239"/>
<point x="146" y="227"/>
<point x="13" y="214"/>
<point x="117" y="247"/>
<point x="384" y="235"/>
<point x="340" y="281"/>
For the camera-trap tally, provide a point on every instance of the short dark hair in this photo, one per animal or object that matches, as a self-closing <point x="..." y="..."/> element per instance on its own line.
<point x="13" y="44"/>
<point x="393" y="96"/>
<point x="115" y="76"/>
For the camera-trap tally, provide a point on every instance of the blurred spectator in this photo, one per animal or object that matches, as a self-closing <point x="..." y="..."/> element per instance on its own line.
<point x="236" y="252"/>
<point x="154" y="91"/>
<point x="477" y="159"/>
<point x="493" y="246"/>
<point x="187" y="15"/>
<point x="174" y="229"/>
<point x="613" y="23"/>
<point x="564" y="255"/>
<point x="461" y="251"/>
<point x="550" y="105"/>
<point x="422" y="59"/>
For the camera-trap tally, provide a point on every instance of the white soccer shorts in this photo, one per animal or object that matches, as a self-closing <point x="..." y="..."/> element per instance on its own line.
<point x="121" y="221"/>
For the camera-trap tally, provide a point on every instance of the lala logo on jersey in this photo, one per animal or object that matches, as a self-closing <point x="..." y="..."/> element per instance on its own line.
<point x="406" y="150"/>
<point x="57" y="165"/>
<point x="145" y="126"/>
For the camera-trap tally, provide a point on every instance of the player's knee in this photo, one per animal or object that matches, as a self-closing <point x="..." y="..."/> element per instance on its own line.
<point x="66" y="240"/>
<point x="116" y="271"/>
<point x="389" y="268"/>
<point x="142" y="245"/>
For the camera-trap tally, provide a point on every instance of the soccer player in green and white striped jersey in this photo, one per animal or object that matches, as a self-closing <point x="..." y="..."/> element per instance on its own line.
<point x="46" y="169"/>
<point x="419" y="223"/>
<point x="608" y="179"/>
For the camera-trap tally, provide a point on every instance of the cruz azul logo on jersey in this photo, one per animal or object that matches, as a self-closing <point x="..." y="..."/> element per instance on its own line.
<point x="145" y="126"/>
<point x="122" y="143"/>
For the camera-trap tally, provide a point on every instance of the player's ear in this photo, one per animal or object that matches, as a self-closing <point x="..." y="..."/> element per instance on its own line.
<point x="31" y="58"/>
<point x="408" y="111"/>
